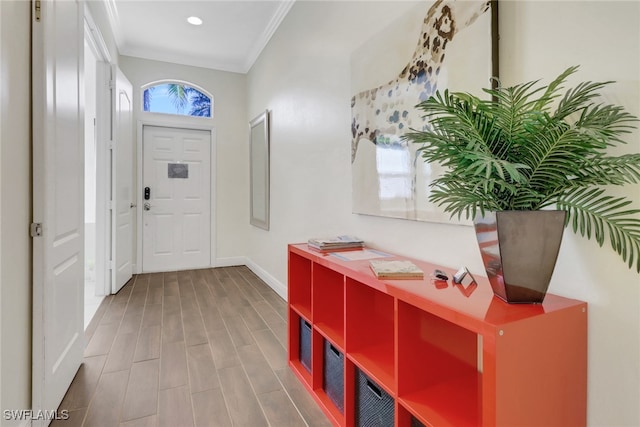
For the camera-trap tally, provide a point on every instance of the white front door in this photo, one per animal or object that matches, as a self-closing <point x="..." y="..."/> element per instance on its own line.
<point x="176" y="199"/>
<point x="58" y="200"/>
<point x="122" y="182"/>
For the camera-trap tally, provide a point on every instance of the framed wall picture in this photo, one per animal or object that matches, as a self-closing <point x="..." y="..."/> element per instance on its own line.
<point x="435" y="45"/>
<point x="259" y="170"/>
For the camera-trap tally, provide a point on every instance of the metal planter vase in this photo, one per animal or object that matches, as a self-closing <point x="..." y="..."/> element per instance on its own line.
<point x="519" y="250"/>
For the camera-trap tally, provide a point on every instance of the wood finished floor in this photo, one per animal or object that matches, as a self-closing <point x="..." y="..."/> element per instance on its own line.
<point x="189" y="348"/>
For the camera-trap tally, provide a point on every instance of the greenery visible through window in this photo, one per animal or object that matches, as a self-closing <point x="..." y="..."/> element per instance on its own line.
<point x="176" y="98"/>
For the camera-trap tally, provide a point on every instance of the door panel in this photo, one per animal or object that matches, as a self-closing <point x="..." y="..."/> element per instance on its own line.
<point x="122" y="185"/>
<point x="163" y="241"/>
<point x="58" y="201"/>
<point x="176" y="226"/>
<point x="192" y="232"/>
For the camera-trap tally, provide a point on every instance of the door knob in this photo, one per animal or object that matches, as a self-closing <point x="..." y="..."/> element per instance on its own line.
<point x="132" y="205"/>
<point x="147" y="206"/>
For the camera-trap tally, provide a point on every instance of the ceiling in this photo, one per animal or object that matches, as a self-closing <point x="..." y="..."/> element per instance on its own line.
<point x="231" y="37"/>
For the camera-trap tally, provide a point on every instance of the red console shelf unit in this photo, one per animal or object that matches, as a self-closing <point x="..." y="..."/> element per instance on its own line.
<point x="447" y="355"/>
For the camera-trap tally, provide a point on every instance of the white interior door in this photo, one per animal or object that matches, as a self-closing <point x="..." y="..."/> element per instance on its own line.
<point x="176" y="211"/>
<point x="58" y="200"/>
<point x="122" y="182"/>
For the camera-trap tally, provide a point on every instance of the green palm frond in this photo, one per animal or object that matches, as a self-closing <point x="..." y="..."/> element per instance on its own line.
<point x="592" y="213"/>
<point x="553" y="89"/>
<point x="604" y="170"/>
<point x="605" y="123"/>
<point x="578" y="98"/>
<point x="455" y="196"/>
<point x="531" y="147"/>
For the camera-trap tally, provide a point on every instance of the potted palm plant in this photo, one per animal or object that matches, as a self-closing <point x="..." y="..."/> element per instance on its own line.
<point x="510" y="159"/>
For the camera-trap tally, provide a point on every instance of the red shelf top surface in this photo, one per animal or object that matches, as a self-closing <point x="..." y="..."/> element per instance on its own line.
<point x="475" y="309"/>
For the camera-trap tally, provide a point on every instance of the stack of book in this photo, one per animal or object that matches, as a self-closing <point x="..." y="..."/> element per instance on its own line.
<point x="337" y="243"/>
<point x="395" y="269"/>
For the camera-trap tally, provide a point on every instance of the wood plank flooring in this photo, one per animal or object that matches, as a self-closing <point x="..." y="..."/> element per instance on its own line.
<point x="189" y="348"/>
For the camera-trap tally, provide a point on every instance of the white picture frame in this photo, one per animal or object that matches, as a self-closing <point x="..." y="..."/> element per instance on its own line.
<point x="259" y="170"/>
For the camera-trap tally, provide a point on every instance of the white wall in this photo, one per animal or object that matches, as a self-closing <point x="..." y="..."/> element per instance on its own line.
<point x="604" y="38"/>
<point x="15" y="207"/>
<point x="231" y="129"/>
<point x="303" y="77"/>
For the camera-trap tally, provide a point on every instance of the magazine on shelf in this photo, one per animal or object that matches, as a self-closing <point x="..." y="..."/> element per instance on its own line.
<point x="336" y="243"/>
<point x="395" y="269"/>
<point x="359" y="255"/>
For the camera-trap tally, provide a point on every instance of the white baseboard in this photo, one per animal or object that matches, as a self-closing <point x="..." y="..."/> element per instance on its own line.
<point x="273" y="283"/>
<point x="230" y="261"/>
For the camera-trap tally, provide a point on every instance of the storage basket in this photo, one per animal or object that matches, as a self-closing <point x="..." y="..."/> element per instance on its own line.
<point x="305" y="344"/>
<point x="415" y="422"/>
<point x="374" y="406"/>
<point x="333" y="376"/>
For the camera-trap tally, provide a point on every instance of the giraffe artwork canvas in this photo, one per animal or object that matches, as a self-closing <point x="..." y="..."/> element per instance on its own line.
<point x="446" y="44"/>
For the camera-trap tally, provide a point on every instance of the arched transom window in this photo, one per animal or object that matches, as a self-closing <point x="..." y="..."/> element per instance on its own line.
<point x="176" y="98"/>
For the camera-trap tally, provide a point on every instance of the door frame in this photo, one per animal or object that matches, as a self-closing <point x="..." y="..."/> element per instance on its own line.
<point x="119" y="84"/>
<point x="175" y="122"/>
<point x="103" y="156"/>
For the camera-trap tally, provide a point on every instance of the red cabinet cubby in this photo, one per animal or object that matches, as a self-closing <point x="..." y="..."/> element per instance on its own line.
<point x="447" y="355"/>
<point x="328" y="304"/>
<point x="438" y="377"/>
<point x="370" y="332"/>
<point x="300" y="285"/>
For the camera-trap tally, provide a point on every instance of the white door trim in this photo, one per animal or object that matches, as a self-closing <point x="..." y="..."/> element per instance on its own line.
<point x="176" y="123"/>
<point x="103" y="162"/>
<point x="103" y="178"/>
<point x="122" y="181"/>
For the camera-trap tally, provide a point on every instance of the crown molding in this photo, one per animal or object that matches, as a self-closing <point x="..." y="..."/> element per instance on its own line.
<point x="241" y="66"/>
<point x="114" y="21"/>
<point x="95" y="36"/>
<point x="261" y="43"/>
<point x="179" y="59"/>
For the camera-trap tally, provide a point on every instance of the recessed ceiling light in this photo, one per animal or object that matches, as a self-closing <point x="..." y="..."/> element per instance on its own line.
<point x="194" y="20"/>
